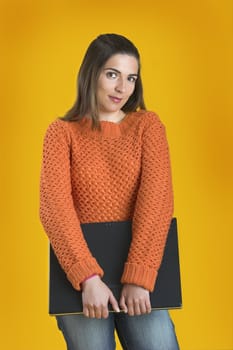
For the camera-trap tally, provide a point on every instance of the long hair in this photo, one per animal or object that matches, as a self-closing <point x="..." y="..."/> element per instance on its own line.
<point x="98" y="52"/>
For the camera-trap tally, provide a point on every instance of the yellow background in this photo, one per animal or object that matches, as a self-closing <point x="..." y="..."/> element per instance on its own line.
<point x="186" y="49"/>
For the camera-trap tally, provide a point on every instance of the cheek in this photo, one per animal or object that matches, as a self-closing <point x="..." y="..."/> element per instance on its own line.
<point x="105" y="83"/>
<point x="101" y="91"/>
<point x="131" y="89"/>
<point x="105" y="89"/>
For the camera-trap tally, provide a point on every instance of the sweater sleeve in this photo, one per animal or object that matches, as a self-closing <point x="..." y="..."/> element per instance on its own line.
<point x="153" y="209"/>
<point x="57" y="212"/>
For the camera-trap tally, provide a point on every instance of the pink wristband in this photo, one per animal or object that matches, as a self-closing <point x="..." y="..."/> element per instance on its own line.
<point x="94" y="274"/>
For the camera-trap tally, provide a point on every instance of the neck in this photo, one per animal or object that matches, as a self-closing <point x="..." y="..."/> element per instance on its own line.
<point x="112" y="117"/>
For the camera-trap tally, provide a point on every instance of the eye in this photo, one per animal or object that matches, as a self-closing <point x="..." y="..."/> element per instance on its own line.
<point x="132" y="78"/>
<point x="111" y="75"/>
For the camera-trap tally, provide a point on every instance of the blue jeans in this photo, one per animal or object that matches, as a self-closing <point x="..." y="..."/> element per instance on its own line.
<point x="154" y="331"/>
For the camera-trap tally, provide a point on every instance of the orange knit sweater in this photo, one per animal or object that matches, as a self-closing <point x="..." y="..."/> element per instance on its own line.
<point x="119" y="173"/>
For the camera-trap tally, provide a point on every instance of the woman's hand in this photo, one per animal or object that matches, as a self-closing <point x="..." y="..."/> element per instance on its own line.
<point x="95" y="297"/>
<point x="135" y="300"/>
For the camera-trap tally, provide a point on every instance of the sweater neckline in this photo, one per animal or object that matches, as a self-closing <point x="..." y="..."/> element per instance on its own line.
<point x="109" y="129"/>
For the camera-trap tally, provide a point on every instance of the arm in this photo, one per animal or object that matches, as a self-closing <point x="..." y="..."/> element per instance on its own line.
<point x="57" y="212"/>
<point x="153" y="209"/>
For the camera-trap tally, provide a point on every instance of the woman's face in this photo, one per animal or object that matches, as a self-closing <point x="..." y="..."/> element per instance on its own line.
<point x="116" y="83"/>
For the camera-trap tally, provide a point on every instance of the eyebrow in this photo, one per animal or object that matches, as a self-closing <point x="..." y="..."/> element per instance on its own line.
<point x="117" y="71"/>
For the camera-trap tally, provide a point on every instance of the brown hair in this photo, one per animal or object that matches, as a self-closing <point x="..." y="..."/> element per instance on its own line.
<point x="98" y="52"/>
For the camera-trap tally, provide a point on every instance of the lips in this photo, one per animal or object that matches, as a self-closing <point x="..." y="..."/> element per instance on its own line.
<point x="115" y="99"/>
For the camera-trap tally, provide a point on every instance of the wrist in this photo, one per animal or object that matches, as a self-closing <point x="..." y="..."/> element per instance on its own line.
<point x="82" y="284"/>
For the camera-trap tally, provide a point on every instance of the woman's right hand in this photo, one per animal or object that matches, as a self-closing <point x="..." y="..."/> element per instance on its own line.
<point x="95" y="297"/>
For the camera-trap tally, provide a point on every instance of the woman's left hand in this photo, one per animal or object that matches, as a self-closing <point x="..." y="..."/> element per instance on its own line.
<point x="135" y="300"/>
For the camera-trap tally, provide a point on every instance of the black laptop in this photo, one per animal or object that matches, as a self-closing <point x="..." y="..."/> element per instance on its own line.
<point x="109" y="243"/>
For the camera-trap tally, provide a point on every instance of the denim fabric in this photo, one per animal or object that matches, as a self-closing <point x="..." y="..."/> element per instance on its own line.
<point x="154" y="331"/>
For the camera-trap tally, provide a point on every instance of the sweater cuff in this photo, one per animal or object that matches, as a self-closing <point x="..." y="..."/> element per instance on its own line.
<point x="80" y="271"/>
<point x="140" y="275"/>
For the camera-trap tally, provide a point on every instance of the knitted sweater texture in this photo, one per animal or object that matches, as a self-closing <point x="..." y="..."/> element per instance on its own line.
<point x="119" y="173"/>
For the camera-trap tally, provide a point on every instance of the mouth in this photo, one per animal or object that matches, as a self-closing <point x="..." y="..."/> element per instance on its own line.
<point x="115" y="99"/>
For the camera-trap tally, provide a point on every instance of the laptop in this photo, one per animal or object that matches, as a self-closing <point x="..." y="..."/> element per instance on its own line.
<point x="109" y="243"/>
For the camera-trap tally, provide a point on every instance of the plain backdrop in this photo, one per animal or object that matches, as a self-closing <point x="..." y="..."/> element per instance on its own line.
<point x="186" y="49"/>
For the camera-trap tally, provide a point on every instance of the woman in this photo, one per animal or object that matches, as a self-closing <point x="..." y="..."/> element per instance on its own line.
<point x="108" y="160"/>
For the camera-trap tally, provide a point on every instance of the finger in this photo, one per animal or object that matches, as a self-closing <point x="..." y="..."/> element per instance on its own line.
<point x="105" y="312"/>
<point x="91" y="312"/>
<point x="98" y="311"/>
<point x="148" y="305"/>
<point x="143" y="309"/>
<point x="130" y="307"/>
<point x="114" y="303"/>
<point x="123" y="304"/>
<point x="137" y="308"/>
<point x="85" y="311"/>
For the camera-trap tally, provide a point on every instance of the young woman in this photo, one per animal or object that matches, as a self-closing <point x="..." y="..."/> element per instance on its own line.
<point x="107" y="160"/>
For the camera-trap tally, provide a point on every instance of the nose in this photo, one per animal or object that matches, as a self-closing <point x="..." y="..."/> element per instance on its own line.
<point x="121" y="85"/>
